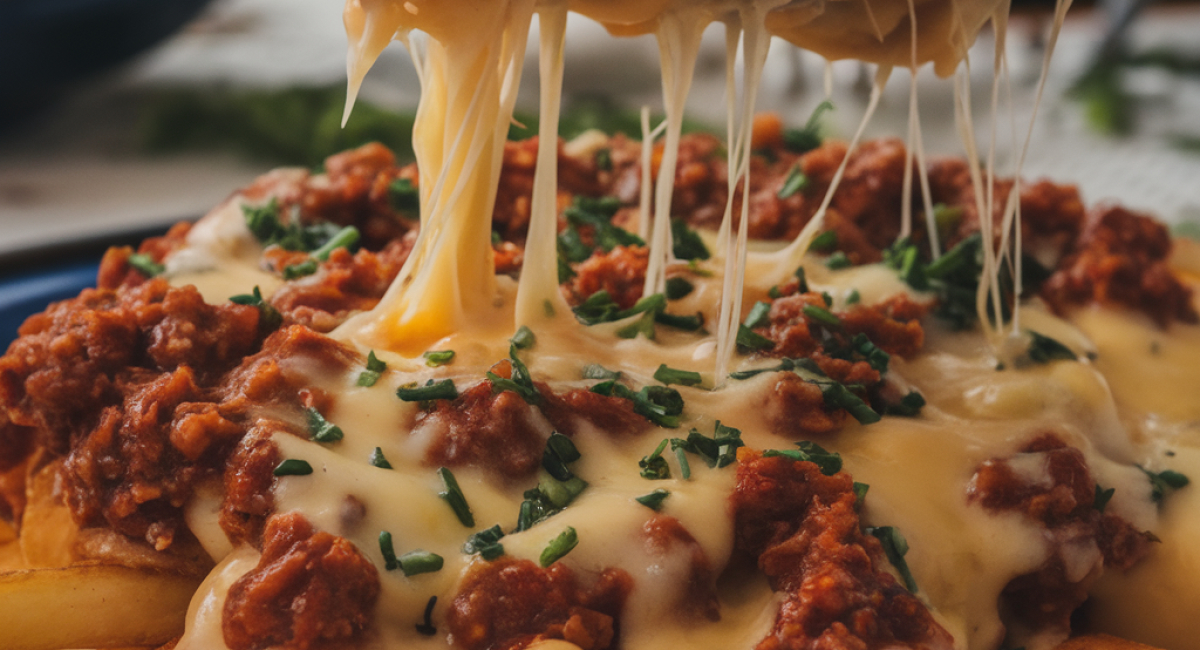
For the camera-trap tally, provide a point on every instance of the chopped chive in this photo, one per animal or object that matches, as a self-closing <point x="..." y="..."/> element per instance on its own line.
<point x="643" y="325"/>
<point x="838" y="261"/>
<point x="654" y="466"/>
<point x="824" y="242"/>
<point x="854" y="298"/>
<point x="293" y="467"/>
<point x="802" y="278"/>
<point x="303" y="269"/>
<point x="828" y="462"/>
<point x="269" y="318"/>
<point x="895" y="547"/>
<point x="808" y="138"/>
<point x="418" y="562"/>
<point x="378" y="460"/>
<point x="838" y="396"/>
<point x="559" y="547"/>
<point x="679" y="446"/>
<point x="686" y="243"/>
<point x="524" y="338"/>
<point x="603" y="160"/>
<point x="345" y="238"/>
<point x="678" y="287"/>
<point x="560" y="451"/>
<point x="597" y="371"/>
<point x="435" y="358"/>
<point x="404" y="196"/>
<point x="320" y="429"/>
<point x="910" y="405"/>
<point x="685" y="323"/>
<point x="860" y="493"/>
<point x="432" y="390"/>
<point x="795" y="182"/>
<point x="822" y="316"/>
<point x="453" y="495"/>
<point x="654" y="500"/>
<point x="670" y="376"/>
<point x="759" y="316"/>
<point x="375" y="368"/>
<point x="1043" y="349"/>
<point x="389" y="552"/>
<point x="426" y="627"/>
<point x="486" y="543"/>
<point x="1102" y="497"/>
<point x="548" y="308"/>
<point x="145" y="265"/>
<point x="751" y="340"/>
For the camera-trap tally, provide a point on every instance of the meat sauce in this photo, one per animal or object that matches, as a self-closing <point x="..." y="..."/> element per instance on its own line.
<point x="148" y="392"/>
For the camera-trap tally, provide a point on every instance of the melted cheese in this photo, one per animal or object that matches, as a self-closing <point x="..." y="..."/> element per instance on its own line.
<point x="447" y="297"/>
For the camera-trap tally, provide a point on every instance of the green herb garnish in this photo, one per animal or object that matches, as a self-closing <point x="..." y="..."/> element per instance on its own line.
<point x="686" y="243"/>
<point x="559" y="547"/>
<point x="418" y="562"/>
<point x="320" y="429"/>
<point x="375" y="368"/>
<point x="486" y="543"/>
<point x="668" y="376"/>
<point x="293" y="467"/>
<point x="828" y="462"/>
<point x="436" y="358"/>
<point x="678" y="287"/>
<point x="432" y="390"/>
<point x="795" y="182"/>
<point x="269" y="318"/>
<point x="809" y="137"/>
<point x="378" y="460"/>
<point x="389" y="551"/>
<point x="145" y="265"/>
<point x="454" y="497"/>
<point x="654" y="466"/>
<point x="654" y="500"/>
<point x="895" y="547"/>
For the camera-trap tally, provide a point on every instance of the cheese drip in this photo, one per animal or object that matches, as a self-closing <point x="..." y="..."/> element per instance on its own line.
<point x="472" y="68"/>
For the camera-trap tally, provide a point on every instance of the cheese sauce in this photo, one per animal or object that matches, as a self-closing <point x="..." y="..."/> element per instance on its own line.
<point x="448" y="297"/>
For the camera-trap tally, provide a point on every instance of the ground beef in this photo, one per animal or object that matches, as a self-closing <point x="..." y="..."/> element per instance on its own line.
<point x="621" y="272"/>
<point x="310" y="590"/>
<point x="145" y="390"/>
<point x="1064" y="505"/>
<point x="500" y="431"/>
<point x="797" y="408"/>
<point x="802" y="529"/>
<point x="484" y="428"/>
<point x="508" y="604"/>
<point x="1121" y="258"/>
<point x="345" y="284"/>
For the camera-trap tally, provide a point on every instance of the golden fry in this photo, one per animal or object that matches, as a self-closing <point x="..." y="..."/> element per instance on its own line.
<point x="91" y="606"/>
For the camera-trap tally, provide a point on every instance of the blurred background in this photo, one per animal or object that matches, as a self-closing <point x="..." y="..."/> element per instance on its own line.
<point x="119" y="117"/>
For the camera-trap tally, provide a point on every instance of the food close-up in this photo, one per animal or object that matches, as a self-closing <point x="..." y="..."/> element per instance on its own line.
<point x="762" y="389"/>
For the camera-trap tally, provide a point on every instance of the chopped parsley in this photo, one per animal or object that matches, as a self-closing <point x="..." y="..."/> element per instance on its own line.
<point x="838" y="261"/>
<point x="1102" y="497"/>
<point x="824" y="242"/>
<point x="264" y="223"/>
<point x="1043" y="349"/>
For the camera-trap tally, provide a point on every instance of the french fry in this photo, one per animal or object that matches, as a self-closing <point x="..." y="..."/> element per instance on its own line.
<point x="91" y="606"/>
<point x="1101" y="642"/>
